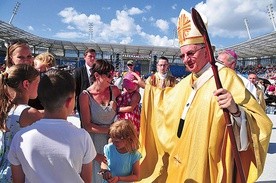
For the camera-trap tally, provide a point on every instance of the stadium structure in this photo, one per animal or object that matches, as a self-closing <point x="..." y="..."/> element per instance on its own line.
<point x="260" y="50"/>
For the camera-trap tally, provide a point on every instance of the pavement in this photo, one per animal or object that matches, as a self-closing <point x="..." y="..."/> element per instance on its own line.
<point x="269" y="173"/>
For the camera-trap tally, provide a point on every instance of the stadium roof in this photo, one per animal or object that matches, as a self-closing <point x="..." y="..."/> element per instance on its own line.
<point x="59" y="48"/>
<point x="260" y="47"/>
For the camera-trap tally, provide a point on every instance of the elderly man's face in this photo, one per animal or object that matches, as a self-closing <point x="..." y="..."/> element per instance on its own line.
<point x="227" y="60"/>
<point x="194" y="57"/>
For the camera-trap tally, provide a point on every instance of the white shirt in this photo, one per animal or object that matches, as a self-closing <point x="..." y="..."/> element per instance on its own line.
<point x="250" y="86"/>
<point x="52" y="150"/>
<point x="88" y="72"/>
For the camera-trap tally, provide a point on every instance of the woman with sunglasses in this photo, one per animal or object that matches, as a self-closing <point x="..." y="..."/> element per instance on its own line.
<point x="98" y="109"/>
<point x="18" y="52"/>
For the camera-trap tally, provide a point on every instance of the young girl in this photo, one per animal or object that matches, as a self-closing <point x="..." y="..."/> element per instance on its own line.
<point x="128" y="103"/>
<point x="17" y="85"/>
<point x="44" y="61"/>
<point x="122" y="155"/>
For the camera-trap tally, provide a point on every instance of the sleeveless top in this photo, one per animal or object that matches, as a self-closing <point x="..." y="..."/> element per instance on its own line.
<point x="102" y="116"/>
<point x="13" y="125"/>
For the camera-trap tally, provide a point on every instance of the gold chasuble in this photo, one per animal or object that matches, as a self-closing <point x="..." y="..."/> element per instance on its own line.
<point x="203" y="152"/>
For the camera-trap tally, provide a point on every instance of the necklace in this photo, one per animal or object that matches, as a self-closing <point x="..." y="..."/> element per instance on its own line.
<point x="101" y="97"/>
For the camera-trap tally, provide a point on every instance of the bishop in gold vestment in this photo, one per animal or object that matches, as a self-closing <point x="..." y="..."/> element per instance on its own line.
<point x="202" y="151"/>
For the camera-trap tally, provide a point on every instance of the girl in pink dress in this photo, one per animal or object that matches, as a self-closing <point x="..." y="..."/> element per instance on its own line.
<point x="128" y="103"/>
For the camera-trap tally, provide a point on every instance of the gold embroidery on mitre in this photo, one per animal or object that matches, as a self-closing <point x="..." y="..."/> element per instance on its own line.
<point x="183" y="28"/>
<point x="187" y="31"/>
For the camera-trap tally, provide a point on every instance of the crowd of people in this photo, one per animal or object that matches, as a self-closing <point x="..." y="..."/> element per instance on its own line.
<point x="180" y="134"/>
<point x="266" y="72"/>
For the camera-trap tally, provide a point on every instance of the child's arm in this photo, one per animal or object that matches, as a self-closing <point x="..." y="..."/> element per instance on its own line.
<point x="100" y="158"/>
<point x="105" y="172"/>
<point x="18" y="175"/>
<point x="139" y="80"/>
<point x="86" y="173"/>
<point x="135" y="176"/>
<point x="135" y="99"/>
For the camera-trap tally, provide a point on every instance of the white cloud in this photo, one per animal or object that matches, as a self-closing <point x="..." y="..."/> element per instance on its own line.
<point x="68" y="14"/>
<point x="70" y="35"/>
<point x="70" y="27"/>
<point x="174" y="6"/>
<point x="30" y="28"/>
<point x="151" y="19"/>
<point x="174" y="20"/>
<point x="127" y="40"/>
<point x="157" y="40"/>
<point x="163" y="25"/>
<point x="123" y="24"/>
<point x="148" y="7"/>
<point x="230" y="23"/>
<point x="120" y="29"/>
<point x="134" y="11"/>
<point x="225" y="20"/>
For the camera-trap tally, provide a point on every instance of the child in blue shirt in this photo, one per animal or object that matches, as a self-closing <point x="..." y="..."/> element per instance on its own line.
<point x="122" y="156"/>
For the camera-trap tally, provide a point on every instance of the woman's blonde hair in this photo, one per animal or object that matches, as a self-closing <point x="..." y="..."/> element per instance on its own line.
<point x="125" y="130"/>
<point x="47" y="58"/>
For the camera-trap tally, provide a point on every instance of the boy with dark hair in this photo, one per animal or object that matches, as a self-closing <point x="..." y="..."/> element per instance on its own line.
<point x="52" y="149"/>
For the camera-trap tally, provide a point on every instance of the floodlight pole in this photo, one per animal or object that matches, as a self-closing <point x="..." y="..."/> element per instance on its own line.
<point x="271" y="15"/>
<point x="247" y="28"/>
<point x="90" y="24"/>
<point x="15" y="9"/>
<point x="174" y="36"/>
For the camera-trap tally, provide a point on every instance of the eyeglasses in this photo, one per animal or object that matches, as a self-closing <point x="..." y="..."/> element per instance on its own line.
<point x="129" y="65"/>
<point x="190" y="53"/>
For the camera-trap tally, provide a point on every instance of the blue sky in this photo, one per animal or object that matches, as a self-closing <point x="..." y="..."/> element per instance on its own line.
<point x="143" y="22"/>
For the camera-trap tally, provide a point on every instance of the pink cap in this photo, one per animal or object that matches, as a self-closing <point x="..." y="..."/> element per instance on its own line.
<point x="128" y="81"/>
<point x="129" y="76"/>
<point x="271" y="88"/>
<point x="128" y="84"/>
<point x="232" y="53"/>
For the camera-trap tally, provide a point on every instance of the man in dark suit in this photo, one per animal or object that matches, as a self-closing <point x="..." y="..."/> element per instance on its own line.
<point x="82" y="74"/>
